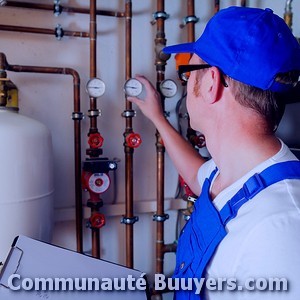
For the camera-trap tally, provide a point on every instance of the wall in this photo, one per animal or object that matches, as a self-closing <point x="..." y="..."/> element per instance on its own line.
<point x="48" y="98"/>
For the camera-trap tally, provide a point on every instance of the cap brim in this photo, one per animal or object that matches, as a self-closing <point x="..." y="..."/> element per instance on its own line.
<point x="180" y="48"/>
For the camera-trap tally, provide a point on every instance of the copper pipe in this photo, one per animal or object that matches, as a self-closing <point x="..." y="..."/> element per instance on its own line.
<point x="64" y="9"/>
<point x="42" y="31"/>
<point x="128" y="150"/>
<point x="169" y="248"/>
<point x="93" y="107"/>
<point x="95" y="236"/>
<point x="217" y="6"/>
<point x="77" y="116"/>
<point x="160" y="63"/>
<point x="191" y="25"/>
<point x="288" y="13"/>
<point x="93" y="60"/>
<point x="244" y="3"/>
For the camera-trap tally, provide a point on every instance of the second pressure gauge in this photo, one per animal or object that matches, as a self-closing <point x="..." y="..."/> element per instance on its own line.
<point x="133" y="87"/>
<point x="168" y="88"/>
<point x="95" y="87"/>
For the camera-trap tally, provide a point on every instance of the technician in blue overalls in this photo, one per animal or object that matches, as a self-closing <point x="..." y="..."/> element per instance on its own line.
<point x="245" y="228"/>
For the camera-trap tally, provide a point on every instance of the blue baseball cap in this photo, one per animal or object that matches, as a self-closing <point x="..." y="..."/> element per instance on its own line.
<point x="251" y="45"/>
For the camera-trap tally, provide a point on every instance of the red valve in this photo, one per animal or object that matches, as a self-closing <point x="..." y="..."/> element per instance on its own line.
<point x="187" y="189"/>
<point x="95" y="140"/>
<point x="97" y="220"/>
<point x="133" y="140"/>
<point x="199" y="140"/>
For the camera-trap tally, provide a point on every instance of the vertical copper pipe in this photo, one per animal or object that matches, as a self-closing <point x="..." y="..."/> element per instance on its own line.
<point x="217" y="6"/>
<point x="244" y="3"/>
<point x="160" y="63"/>
<point x="191" y="25"/>
<point x="93" y="59"/>
<point x="128" y="150"/>
<point x="77" y="116"/>
<point x="93" y="107"/>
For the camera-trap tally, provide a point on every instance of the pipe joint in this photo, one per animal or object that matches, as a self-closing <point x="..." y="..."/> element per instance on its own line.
<point x="129" y="221"/>
<point x="57" y="8"/>
<point x="77" y="116"/>
<point x="189" y="19"/>
<point x="129" y="113"/>
<point x="160" y="15"/>
<point x="3" y="63"/>
<point x="59" y="32"/>
<point x="94" y="113"/>
<point x="160" y="218"/>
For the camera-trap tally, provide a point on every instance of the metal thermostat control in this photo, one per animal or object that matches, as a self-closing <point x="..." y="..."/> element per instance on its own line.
<point x="133" y="87"/>
<point x="95" y="87"/>
<point x="168" y="88"/>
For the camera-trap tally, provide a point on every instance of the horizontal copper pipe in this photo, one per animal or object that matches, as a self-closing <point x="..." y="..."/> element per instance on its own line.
<point x="42" y="31"/>
<point x="64" y="9"/>
<point x="169" y="247"/>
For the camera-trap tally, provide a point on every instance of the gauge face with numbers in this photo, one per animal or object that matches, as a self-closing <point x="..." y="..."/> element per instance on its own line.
<point x="168" y="88"/>
<point x="95" y="87"/>
<point x="133" y="87"/>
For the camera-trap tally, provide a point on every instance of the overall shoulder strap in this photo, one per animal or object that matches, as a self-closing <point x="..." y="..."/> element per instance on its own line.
<point x="258" y="182"/>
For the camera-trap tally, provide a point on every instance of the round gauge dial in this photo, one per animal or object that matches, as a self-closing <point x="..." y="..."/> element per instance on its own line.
<point x="95" y="87"/>
<point x="168" y="88"/>
<point x="133" y="87"/>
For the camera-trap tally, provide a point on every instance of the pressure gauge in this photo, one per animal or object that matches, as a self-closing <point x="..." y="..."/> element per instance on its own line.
<point x="133" y="87"/>
<point x="95" y="87"/>
<point x="168" y="88"/>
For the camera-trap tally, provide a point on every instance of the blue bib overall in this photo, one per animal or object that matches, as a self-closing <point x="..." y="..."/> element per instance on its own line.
<point x="206" y="227"/>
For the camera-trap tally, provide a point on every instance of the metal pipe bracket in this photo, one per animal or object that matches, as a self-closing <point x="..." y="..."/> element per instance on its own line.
<point x="59" y="32"/>
<point x="189" y="19"/>
<point x="160" y="218"/>
<point x="129" y="221"/>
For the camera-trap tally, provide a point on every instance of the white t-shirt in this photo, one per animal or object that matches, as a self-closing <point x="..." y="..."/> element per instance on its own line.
<point x="263" y="240"/>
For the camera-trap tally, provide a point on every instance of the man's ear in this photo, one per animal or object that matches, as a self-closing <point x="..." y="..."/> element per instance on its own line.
<point x="215" y="84"/>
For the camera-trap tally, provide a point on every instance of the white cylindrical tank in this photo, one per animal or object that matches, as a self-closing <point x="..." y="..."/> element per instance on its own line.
<point x="26" y="179"/>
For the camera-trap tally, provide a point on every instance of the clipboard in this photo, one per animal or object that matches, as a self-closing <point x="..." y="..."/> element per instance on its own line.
<point x="30" y="259"/>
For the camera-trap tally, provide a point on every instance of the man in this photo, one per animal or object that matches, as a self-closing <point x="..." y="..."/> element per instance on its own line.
<point x="245" y="228"/>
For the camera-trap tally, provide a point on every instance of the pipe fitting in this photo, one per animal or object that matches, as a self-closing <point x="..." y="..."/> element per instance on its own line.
<point x="59" y="32"/>
<point x="161" y="218"/>
<point x="3" y="62"/>
<point x="57" y="9"/>
<point x="161" y="56"/>
<point x="129" y="221"/>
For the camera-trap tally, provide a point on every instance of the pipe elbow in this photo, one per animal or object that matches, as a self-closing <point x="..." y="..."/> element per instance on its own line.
<point x="3" y="62"/>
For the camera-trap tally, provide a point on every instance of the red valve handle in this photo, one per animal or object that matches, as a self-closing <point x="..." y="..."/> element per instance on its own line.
<point x="97" y="220"/>
<point x="187" y="189"/>
<point x="95" y="140"/>
<point x="133" y="140"/>
<point x="199" y="140"/>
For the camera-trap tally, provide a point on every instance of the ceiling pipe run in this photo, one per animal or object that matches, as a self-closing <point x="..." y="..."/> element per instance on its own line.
<point x="62" y="8"/>
<point x="76" y="116"/>
<point x="58" y="32"/>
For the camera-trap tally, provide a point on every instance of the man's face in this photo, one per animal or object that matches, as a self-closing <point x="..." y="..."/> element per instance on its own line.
<point x="194" y="95"/>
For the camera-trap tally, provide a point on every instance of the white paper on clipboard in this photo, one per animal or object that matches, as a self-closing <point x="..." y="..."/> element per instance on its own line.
<point x="32" y="259"/>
